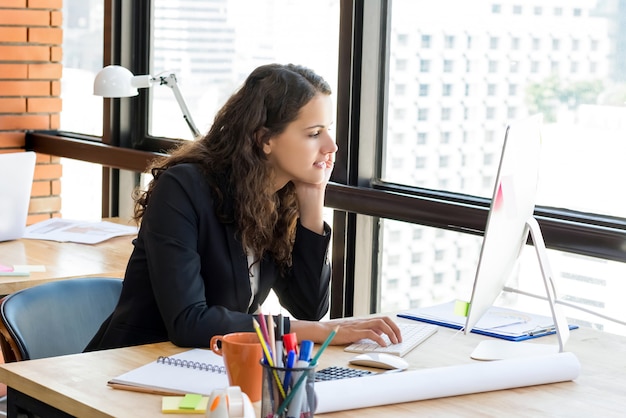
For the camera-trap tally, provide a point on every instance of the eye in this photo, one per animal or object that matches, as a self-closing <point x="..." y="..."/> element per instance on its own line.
<point x="315" y="134"/>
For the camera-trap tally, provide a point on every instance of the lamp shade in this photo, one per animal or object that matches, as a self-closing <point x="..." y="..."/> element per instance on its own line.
<point x="114" y="81"/>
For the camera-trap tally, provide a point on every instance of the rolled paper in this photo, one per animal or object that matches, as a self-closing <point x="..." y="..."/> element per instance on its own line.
<point x="439" y="382"/>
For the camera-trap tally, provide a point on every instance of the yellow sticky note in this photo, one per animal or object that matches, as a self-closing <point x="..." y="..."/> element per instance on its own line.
<point x="172" y="405"/>
<point x="461" y="308"/>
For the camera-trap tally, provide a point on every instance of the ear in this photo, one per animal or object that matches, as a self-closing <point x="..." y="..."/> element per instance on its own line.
<point x="262" y="139"/>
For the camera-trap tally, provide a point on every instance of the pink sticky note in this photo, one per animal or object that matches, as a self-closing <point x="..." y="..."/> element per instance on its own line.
<point x="499" y="198"/>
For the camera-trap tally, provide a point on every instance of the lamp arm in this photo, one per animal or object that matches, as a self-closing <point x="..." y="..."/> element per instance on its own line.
<point x="171" y="82"/>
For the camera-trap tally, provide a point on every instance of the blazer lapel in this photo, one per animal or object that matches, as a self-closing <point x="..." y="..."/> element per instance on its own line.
<point x="240" y="268"/>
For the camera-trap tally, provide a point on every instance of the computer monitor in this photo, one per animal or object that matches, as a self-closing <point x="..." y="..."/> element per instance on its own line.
<point x="509" y="223"/>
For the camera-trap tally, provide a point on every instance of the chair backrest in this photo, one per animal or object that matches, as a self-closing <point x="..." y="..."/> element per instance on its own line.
<point x="55" y="318"/>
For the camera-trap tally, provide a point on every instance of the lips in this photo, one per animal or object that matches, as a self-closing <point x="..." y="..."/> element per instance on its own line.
<point x="324" y="164"/>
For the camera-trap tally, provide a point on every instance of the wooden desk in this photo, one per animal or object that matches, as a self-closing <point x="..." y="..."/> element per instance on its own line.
<point x="76" y="384"/>
<point x="63" y="260"/>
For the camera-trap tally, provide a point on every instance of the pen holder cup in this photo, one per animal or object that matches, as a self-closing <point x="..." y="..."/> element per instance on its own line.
<point x="295" y="399"/>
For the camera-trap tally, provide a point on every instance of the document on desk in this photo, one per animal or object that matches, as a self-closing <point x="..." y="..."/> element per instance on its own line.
<point x="416" y="385"/>
<point x="508" y="324"/>
<point x="82" y="232"/>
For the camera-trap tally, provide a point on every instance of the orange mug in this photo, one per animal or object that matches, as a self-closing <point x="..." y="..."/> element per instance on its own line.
<point x="242" y="353"/>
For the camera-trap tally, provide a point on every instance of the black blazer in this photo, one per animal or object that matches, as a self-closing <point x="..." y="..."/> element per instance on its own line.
<point x="187" y="278"/>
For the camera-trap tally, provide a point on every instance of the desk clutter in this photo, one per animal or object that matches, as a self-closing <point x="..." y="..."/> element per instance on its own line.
<point x="288" y="370"/>
<point x="290" y="387"/>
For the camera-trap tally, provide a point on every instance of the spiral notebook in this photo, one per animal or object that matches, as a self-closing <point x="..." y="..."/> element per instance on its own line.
<point x="197" y="371"/>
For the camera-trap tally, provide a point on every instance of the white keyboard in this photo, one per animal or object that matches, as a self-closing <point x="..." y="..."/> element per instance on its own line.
<point x="412" y="336"/>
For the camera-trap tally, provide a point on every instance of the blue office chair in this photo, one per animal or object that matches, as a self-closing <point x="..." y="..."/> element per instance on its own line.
<point x="55" y="318"/>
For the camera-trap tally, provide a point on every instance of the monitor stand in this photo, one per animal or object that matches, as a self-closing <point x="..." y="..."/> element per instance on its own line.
<point x="501" y="349"/>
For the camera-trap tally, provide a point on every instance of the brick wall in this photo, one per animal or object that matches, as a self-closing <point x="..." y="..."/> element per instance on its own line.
<point x="30" y="90"/>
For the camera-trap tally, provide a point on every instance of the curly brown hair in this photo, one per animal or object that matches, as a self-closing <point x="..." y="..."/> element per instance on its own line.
<point x="232" y="158"/>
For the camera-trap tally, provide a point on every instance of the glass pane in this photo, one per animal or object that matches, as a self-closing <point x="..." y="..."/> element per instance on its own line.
<point x="423" y="266"/>
<point x="212" y="46"/>
<point x="81" y="191"/>
<point x="459" y="71"/>
<point x="83" y="31"/>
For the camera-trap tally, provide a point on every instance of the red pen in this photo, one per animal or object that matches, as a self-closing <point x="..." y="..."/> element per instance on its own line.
<point x="290" y="342"/>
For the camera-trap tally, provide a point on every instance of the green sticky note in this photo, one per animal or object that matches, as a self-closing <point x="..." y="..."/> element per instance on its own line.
<point x="461" y="308"/>
<point x="190" y="401"/>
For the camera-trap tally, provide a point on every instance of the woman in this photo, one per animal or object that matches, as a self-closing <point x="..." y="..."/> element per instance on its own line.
<point x="233" y="215"/>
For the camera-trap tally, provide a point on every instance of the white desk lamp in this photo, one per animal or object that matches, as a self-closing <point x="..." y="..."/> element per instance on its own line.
<point x="117" y="81"/>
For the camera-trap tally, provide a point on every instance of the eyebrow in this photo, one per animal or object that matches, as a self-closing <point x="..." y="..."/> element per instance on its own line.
<point x="318" y="126"/>
<point x="314" y="126"/>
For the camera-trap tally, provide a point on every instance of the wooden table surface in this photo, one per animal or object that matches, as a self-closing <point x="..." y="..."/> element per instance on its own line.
<point x="77" y="383"/>
<point x="63" y="260"/>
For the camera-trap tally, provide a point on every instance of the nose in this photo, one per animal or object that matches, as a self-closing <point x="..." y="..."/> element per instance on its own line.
<point x="330" y="146"/>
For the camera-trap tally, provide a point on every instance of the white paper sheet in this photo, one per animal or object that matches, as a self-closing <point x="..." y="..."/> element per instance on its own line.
<point x="417" y="385"/>
<point x="82" y="232"/>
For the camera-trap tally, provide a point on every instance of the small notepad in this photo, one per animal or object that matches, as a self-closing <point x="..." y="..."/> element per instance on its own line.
<point x="197" y="371"/>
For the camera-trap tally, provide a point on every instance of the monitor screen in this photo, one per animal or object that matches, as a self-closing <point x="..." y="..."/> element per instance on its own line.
<point x="512" y="204"/>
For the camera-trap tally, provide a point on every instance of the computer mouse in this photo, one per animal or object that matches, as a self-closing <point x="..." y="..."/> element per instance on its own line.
<point x="380" y="361"/>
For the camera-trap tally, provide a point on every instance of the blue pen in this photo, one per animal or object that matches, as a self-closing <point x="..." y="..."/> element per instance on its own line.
<point x="291" y="360"/>
<point x="298" y="398"/>
<point x="306" y="349"/>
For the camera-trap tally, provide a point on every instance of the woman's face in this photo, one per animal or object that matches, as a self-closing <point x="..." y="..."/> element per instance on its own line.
<point x="305" y="150"/>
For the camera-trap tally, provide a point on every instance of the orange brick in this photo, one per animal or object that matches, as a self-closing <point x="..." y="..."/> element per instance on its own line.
<point x="13" y="71"/>
<point x="56" y="18"/>
<point x="13" y="34"/>
<point x="41" y="188"/>
<point x="12" y="105"/>
<point x="44" y="204"/>
<point x="25" y="88"/>
<point x="15" y="122"/>
<point x="56" y="54"/>
<point x="18" y="4"/>
<point x="48" y="171"/>
<point x="43" y="158"/>
<point x="45" y="71"/>
<point x="55" y="187"/>
<point x="25" y="17"/>
<point x="24" y="52"/>
<point x="45" y="4"/>
<point x="55" y="88"/>
<point x="53" y="36"/>
<point x="55" y="121"/>
<point x="39" y="105"/>
<point x="12" y="139"/>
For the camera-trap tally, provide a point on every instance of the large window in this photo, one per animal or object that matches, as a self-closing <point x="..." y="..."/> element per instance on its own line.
<point x="581" y="92"/>
<point x="213" y="45"/>
<point x="83" y="40"/>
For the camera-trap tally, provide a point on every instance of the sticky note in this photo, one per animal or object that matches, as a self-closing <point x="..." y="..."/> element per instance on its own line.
<point x="461" y="308"/>
<point x="172" y="404"/>
<point x="190" y="401"/>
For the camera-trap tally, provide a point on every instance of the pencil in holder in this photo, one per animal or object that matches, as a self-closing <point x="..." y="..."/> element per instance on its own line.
<point x="288" y="392"/>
